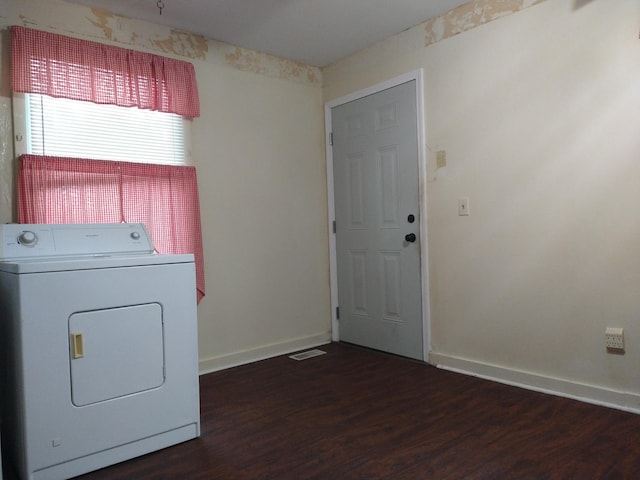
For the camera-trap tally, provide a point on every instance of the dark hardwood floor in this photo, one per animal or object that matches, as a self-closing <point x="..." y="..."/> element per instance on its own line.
<point x="358" y="414"/>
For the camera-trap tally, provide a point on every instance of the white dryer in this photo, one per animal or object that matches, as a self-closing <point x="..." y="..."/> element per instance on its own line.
<point x="99" y="342"/>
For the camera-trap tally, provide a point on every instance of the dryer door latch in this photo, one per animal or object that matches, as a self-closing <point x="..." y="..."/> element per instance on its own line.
<point x="77" y="347"/>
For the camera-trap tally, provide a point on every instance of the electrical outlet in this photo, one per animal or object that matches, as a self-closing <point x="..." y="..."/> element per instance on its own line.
<point x="614" y="338"/>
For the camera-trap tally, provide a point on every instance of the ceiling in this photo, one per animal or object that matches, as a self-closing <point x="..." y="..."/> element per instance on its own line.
<point x="314" y="32"/>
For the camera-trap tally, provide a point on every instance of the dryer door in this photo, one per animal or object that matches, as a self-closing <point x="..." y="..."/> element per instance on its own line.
<point x="115" y="352"/>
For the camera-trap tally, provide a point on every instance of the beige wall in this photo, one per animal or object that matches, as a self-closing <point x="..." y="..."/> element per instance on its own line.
<point x="259" y="152"/>
<point x="538" y="114"/>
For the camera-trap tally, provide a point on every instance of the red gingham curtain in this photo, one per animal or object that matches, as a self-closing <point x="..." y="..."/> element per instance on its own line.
<point x="73" y="190"/>
<point x="60" y="66"/>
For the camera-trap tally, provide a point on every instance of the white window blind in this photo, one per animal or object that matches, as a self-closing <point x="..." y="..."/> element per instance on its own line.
<point x="71" y="128"/>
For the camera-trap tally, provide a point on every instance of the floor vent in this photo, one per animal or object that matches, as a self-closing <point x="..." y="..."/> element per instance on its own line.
<point x="307" y="354"/>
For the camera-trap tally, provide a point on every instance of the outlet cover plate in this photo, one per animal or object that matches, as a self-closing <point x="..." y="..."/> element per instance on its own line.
<point x="614" y="338"/>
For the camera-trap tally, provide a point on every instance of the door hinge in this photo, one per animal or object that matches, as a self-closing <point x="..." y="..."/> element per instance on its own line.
<point x="331" y="138"/>
<point x="334" y="226"/>
<point x="337" y="313"/>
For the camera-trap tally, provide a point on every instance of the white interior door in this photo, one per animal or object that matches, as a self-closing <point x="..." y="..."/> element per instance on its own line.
<point x="375" y="171"/>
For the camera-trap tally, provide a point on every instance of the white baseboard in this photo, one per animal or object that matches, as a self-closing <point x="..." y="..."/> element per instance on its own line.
<point x="627" y="401"/>
<point x="213" y="364"/>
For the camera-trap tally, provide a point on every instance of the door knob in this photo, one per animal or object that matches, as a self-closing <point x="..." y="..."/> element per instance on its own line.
<point x="410" y="237"/>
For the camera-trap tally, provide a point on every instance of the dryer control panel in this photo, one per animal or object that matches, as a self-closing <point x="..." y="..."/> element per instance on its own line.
<point x="54" y="240"/>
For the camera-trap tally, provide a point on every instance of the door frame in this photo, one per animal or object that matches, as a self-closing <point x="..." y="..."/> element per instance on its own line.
<point x="418" y="76"/>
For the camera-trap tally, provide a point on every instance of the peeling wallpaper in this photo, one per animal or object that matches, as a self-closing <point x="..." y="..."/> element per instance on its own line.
<point x="61" y="17"/>
<point x="6" y="162"/>
<point x="173" y="42"/>
<point x="251" y="61"/>
<point x="471" y="15"/>
<point x="183" y="44"/>
<point x="461" y="19"/>
<point x="95" y="24"/>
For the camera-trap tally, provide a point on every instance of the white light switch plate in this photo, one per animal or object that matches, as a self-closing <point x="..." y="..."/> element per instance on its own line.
<point x="463" y="206"/>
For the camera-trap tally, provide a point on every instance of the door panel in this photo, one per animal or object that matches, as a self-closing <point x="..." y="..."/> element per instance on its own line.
<point x="375" y="155"/>
<point x="122" y="352"/>
<point x="356" y="191"/>
<point x="389" y="207"/>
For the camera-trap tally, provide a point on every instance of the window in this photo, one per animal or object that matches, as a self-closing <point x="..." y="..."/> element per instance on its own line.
<point x="71" y="128"/>
<point x="93" y="144"/>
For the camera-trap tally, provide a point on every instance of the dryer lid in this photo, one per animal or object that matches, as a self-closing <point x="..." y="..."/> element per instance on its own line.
<point x="87" y="262"/>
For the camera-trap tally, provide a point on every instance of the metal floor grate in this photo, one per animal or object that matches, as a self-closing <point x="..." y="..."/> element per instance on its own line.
<point x="307" y="354"/>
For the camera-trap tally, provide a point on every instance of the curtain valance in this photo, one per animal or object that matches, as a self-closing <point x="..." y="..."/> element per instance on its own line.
<point x="61" y="66"/>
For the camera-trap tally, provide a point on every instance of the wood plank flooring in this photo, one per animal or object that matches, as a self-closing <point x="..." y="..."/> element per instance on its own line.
<point x="359" y="414"/>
